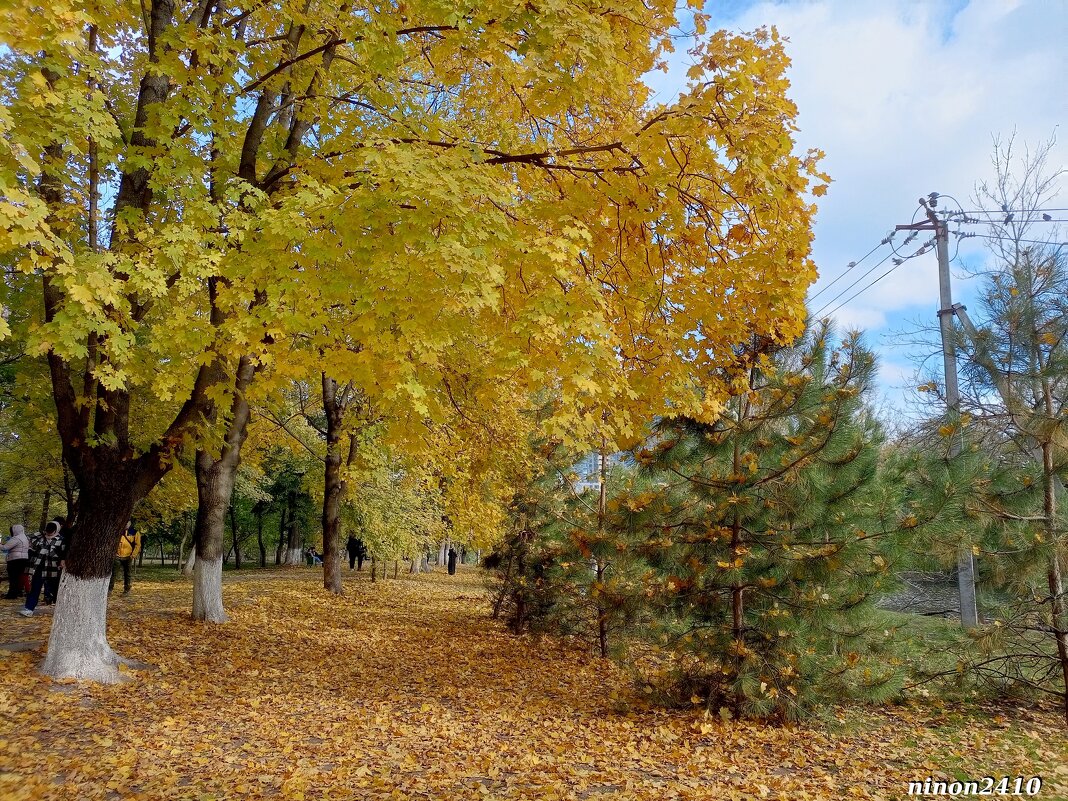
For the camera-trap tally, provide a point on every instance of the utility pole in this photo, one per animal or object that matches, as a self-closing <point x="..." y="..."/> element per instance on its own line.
<point x="965" y="560"/>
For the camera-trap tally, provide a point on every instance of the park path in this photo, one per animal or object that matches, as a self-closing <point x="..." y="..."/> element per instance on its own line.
<point x="402" y="689"/>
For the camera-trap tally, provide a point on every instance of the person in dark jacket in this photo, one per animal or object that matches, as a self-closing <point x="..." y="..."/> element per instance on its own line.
<point x="452" y="562"/>
<point x="353" y="547"/>
<point x="47" y="554"/>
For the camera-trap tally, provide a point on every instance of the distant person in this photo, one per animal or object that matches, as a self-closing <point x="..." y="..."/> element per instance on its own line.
<point x="452" y="561"/>
<point x="129" y="548"/>
<point x="47" y="554"/>
<point x="17" y="555"/>
<point x="353" y="547"/>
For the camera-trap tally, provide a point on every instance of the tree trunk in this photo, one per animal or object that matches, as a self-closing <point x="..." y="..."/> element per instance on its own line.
<point x="281" y="537"/>
<point x="602" y="566"/>
<point x="294" y="549"/>
<point x="69" y="497"/>
<point x="236" y="536"/>
<point x="44" y="508"/>
<point x="215" y="488"/>
<point x="1055" y="576"/>
<point x="374" y="568"/>
<point x="258" y="509"/>
<point x="334" y="486"/>
<point x="215" y="483"/>
<point x="506" y="586"/>
<point x="186" y="531"/>
<point x="78" y="646"/>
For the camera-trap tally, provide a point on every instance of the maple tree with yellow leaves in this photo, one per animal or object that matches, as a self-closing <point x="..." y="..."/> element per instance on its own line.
<point x="188" y="186"/>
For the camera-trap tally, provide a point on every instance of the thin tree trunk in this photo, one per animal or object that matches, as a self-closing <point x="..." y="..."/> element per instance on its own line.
<point x="259" y="533"/>
<point x="374" y="567"/>
<point x="235" y="535"/>
<point x="44" y="509"/>
<point x="737" y="590"/>
<point x="602" y="567"/>
<point x="69" y="497"/>
<point x="1055" y="576"/>
<point x="506" y="584"/>
<point x="334" y="486"/>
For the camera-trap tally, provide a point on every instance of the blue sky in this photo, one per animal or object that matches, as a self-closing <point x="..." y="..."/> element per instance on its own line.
<point x="905" y="97"/>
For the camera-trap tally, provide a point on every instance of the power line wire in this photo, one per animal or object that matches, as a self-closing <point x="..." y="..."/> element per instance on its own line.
<point x="1009" y="239"/>
<point x="1004" y="211"/>
<point x="872" y="269"/>
<point x="853" y="265"/>
<point x="898" y="261"/>
<point x="853" y="297"/>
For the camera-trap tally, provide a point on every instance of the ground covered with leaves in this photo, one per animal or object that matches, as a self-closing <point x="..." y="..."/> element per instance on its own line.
<point x="405" y="689"/>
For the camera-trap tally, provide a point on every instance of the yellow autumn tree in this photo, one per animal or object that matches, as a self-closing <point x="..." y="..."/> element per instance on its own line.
<point x="186" y="185"/>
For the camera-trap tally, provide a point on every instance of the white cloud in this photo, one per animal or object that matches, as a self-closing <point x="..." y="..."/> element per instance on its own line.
<point x="904" y="98"/>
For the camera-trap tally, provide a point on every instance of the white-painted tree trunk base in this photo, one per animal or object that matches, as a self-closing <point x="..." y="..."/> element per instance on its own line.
<point x="294" y="556"/>
<point x="207" y="591"/>
<point x="190" y="563"/>
<point x="78" y="645"/>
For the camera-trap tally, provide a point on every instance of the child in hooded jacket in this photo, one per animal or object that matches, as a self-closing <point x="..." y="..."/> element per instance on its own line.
<point x="48" y="550"/>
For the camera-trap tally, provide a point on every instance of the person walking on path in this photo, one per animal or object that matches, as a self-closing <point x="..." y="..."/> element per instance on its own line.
<point x="47" y="552"/>
<point x="17" y="554"/>
<point x="452" y="562"/>
<point x="129" y="548"/>
<point x="357" y="553"/>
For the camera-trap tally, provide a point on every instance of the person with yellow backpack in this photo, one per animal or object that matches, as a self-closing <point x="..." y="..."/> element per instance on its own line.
<point x="129" y="549"/>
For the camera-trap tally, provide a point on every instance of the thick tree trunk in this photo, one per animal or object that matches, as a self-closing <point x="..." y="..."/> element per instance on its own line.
<point x="78" y="646"/>
<point x="294" y="554"/>
<point x="215" y="484"/>
<point x="281" y="537"/>
<point x="215" y="488"/>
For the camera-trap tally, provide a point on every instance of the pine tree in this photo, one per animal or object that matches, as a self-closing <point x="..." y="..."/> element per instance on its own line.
<point x="761" y="533"/>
